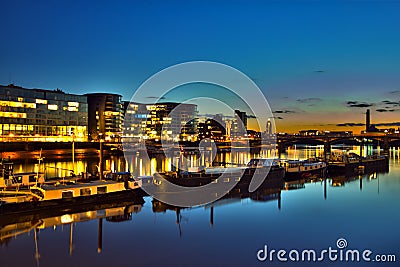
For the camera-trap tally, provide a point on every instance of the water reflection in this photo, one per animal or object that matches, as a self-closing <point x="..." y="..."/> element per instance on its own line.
<point x="142" y="165"/>
<point x="303" y="213"/>
<point x="269" y="191"/>
<point x="12" y="227"/>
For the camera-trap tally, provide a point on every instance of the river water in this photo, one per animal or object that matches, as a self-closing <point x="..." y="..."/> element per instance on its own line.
<point x="312" y="215"/>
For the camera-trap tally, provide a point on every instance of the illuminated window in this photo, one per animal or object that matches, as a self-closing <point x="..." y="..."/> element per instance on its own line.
<point x="17" y="104"/>
<point x="20" y="99"/>
<point x="52" y="107"/>
<point x="73" y="104"/>
<point x="12" y="115"/>
<point x="72" y="109"/>
<point x="41" y="101"/>
<point x="151" y="107"/>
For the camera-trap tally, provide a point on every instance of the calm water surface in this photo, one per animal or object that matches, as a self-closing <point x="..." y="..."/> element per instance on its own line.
<point x="311" y="215"/>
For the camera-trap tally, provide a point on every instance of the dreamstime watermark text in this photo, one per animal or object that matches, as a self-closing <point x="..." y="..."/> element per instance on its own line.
<point x="338" y="253"/>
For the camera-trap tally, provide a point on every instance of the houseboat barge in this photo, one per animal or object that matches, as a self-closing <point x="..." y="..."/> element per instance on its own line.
<point x="351" y="163"/>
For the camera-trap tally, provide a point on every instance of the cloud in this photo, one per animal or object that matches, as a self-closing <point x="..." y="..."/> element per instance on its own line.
<point x="355" y="124"/>
<point x="394" y="92"/>
<point x="283" y="111"/>
<point x="356" y="104"/>
<point x="385" y="110"/>
<point x="310" y="99"/>
<point x="350" y="124"/>
<point x="388" y="124"/>
<point x="387" y="102"/>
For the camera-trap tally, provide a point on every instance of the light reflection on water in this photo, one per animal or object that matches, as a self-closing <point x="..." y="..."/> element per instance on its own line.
<point x="364" y="210"/>
<point x="143" y="166"/>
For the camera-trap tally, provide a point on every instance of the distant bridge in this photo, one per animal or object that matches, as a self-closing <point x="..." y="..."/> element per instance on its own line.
<point x="384" y="140"/>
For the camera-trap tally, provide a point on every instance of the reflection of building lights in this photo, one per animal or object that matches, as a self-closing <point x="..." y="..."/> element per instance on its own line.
<point x="67" y="218"/>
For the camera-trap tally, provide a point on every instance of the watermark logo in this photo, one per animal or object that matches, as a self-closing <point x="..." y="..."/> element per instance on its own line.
<point x="341" y="243"/>
<point x="339" y="253"/>
<point x="173" y="124"/>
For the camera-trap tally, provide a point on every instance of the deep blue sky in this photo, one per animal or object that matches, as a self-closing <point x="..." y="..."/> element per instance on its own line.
<point x="104" y="46"/>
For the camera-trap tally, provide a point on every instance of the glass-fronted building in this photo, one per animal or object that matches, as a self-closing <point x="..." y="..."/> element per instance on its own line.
<point x="105" y="116"/>
<point x="42" y="115"/>
<point x="167" y="121"/>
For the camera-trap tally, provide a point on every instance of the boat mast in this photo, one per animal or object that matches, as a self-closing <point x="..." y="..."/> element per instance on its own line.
<point x="73" y="153"/>
<point x="40" y="159"/>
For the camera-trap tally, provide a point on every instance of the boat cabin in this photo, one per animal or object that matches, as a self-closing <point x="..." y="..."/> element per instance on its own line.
<point x="302" y="165"/>
<point x="60" y="191"/>
<point x="10" y="179"/>
<point x="262" y="163"/>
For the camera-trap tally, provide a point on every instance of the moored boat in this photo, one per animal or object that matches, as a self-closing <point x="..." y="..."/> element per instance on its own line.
<point x="341" y="163"/>
<point x="61" y="195"/>
<point x="9" y="179"/>
<point x="302" y="169"/>
<point x="238" y="175"/>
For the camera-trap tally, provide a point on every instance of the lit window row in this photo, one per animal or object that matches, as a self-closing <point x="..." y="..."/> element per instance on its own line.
<point x="17" y="104"/>
<point x="111" y="113"/>
<point x="41" y="101"/>
<point x="12" y="114"/>
<point x="73" y="104"/>
<point x="71" y="109"/>
<point x="52" y="107"/>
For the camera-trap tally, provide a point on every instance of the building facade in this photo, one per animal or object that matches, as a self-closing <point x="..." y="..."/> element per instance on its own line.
<point x="105" y="116"/>
<point x="309" y="132"/>
<point x="239" y="125"/>
<point x="168" y="121"/>
<point x="42" y="115"/>
<point x="213" y="129"/>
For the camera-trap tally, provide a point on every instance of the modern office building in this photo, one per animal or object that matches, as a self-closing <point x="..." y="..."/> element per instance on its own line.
<point x="167" y="121"/>
<point x="41" y="115"/>
<point x="213" y="129"/>
<point x="239" y="125"/>
<point x="105" y="116"/>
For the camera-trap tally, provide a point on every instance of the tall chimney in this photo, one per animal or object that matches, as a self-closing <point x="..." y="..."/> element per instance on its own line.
<point x="367" y="121"/>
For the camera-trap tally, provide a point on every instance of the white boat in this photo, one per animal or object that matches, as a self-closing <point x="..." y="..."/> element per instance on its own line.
<point x="68" y="191"/>
<point x="100" y="187"/>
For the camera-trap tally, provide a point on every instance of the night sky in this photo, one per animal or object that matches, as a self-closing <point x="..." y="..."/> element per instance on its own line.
<point x="319" y="64"/>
